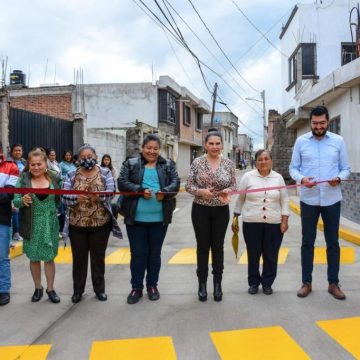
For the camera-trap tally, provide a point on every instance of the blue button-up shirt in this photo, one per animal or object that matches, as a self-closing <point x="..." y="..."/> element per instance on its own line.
<point x="323" y="159"/>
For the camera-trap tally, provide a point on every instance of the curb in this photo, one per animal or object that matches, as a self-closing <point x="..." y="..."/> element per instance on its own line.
<point x="16" y="250"/>
<point x="344" y="233"/>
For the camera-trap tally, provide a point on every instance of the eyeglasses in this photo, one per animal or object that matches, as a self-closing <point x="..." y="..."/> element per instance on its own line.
<point x="316" y="123"/>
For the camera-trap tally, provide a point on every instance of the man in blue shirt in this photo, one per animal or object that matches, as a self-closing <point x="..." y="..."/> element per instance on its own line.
<point x="320" y="155"/>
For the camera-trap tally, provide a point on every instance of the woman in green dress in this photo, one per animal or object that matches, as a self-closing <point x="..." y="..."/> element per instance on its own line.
<point x="39" y="224"/>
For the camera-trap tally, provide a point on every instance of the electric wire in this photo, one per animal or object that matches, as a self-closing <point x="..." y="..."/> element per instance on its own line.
<point x="221" y="49"/>
<point x="202" y="43"/>
<point x="199" y="62"/>
<point x="257" y="29"/>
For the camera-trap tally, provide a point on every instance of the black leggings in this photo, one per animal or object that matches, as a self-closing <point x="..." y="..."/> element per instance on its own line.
<point x="210" y="224"/>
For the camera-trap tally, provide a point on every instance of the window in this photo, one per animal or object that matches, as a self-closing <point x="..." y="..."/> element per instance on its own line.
<point x="348" y="53"/>
<point x="199" y="120"/>
<point x="187" y="115"/>
<point x="334" y="125"/>
<point x="167" y="107"/>
<point x="304" y="56"/>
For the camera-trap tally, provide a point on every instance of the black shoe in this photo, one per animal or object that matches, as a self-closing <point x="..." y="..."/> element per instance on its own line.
<point x="76" y="298"/>
<point x="217" y="291"/>
<point x="4" y="298"/>
<point x="202" y="292"/>
<point x="153" y="293"/>
<point x="267" y="290"/>
<point x="53" y="296"/>
<point x="101" y="296"/>
<point x="253" y="289"/>
<point x="134" y="296"/>
<point x="38" y="294"/>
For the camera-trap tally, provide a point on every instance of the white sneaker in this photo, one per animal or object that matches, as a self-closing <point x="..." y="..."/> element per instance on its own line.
<point x="17" y="237"/>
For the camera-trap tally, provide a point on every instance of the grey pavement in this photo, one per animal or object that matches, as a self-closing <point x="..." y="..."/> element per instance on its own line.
<point x="71" y="329"/>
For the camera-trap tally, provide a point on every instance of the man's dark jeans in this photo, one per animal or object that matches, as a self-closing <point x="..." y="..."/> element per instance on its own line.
<point x="309" y="219"/>
<point x="146" y="240"/>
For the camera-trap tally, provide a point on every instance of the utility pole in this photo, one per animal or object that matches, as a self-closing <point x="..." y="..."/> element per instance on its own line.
<point x="213" y="105"/>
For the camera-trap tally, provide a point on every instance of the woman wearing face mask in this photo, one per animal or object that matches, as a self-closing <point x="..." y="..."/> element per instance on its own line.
<point x="89" y="221"/>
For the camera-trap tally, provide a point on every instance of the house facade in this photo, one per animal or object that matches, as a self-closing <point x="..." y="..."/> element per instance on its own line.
<point x="324" y="68"/>
<point x="135" y="109"/>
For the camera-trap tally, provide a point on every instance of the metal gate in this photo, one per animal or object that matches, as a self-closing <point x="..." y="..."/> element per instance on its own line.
<point x="36" y="130"/>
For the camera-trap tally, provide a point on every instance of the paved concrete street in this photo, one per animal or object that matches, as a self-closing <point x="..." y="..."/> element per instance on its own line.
<point x="72" y="329"/>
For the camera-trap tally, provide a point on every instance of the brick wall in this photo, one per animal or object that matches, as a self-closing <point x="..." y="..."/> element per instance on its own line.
<point x="59" y="106"/>
<point x="350" y="206"/>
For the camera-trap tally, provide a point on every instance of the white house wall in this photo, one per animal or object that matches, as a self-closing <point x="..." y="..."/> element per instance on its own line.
<point x="183" y="161"/>
<point x="120" y="105"/>
<point x="328" y="26"/>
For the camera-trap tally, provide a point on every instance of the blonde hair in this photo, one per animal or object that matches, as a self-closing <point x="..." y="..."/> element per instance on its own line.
<point x="37" y="152"/>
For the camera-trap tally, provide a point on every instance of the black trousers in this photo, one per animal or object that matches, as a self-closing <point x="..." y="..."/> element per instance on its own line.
<point x="210" y="224"/>
<point x="84" y="241"/>
<point x="262" y="239"/>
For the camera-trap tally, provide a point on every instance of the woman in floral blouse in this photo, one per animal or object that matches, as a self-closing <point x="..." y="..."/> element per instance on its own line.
<point x="211" y="178"/>
<point x="89" y="221"/>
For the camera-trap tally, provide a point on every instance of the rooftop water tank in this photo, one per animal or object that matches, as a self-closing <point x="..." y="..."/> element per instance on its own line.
<point x="17" y="77"/>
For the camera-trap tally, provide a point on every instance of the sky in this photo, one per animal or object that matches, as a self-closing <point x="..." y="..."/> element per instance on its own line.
<point x="117" y="41"/>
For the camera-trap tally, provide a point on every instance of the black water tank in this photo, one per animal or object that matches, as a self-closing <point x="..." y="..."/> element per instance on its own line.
<point x="17" y="77"/>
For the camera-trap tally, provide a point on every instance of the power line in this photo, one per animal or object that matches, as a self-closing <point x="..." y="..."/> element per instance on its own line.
<point x="257" y="29"/>
<point x="202" y="43"/>
<point x="221" y="49"/>
<point x="246" y="52"/>
<point x="198" y="62"/>
<point x="223" y="103"/>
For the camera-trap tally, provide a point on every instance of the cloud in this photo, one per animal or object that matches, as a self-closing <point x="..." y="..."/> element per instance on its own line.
<point x="119" y="43"/>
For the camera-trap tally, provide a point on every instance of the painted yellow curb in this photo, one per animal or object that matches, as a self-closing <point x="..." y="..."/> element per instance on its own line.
<point x="345" y="234"/>
<point x="16" y="250"/>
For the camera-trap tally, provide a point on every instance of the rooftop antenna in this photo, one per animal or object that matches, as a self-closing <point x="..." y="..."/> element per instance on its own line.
<point x="55" y="74"/>
<point x="46" y="65"/>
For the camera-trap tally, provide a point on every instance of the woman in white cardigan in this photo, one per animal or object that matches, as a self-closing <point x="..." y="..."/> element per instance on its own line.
<point x="265" y="220"/>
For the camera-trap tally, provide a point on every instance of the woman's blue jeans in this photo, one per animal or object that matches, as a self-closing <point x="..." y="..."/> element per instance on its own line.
<point x="146" y="241"/>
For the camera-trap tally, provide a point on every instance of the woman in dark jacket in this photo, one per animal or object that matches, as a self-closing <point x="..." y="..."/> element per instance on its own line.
<point x="147" y="213"/>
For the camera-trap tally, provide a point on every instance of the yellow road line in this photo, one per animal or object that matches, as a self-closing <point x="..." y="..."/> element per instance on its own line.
<point x="25" y="352"/>
<point x="64" y="256"/>
<point x="347" y="255"/>
<point x="185" y="256"/>
<point x="283" y="253"/>
<point x="344" y="233"/>
<point x="259" y="343"/>
<point x="118" y="257"/>
<point x="345" y="332"/>
<point x="130" y="349"/>
<point x="16" y="250"/>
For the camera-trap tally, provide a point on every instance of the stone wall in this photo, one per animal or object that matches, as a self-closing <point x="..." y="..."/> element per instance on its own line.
<point x="350" y="206"/>
<point x="283" y="141"/>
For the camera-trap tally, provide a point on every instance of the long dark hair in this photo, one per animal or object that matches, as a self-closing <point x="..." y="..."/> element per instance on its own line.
<point x="110" y="166"/>
<point x="70" y="152"/>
